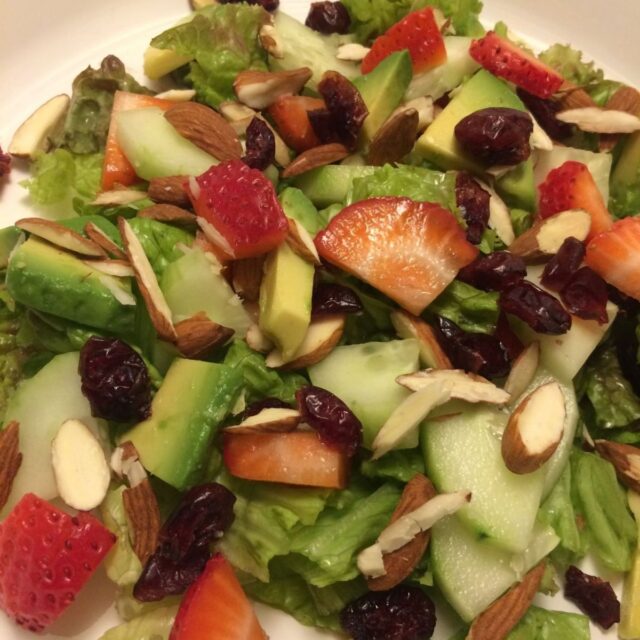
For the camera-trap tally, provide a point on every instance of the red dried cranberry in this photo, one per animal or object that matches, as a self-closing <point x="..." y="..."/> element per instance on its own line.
<point x="545" y="112"/>
<point x="496" y="136"/>
<point x="473" y="202"/>
<point x="5" y="163"/>
<point x="324" y="125"/>
<point x="267" y="403"/>
<point x="115" y="380"/>
<point x="329" y="297"/>
<point x="346" y="105"/>
<point x="261" y="145"/>
<point x="540" y="310"/>
<point x="403" y="613"/>
<point x="267" y="5"/>
<point x="509" y="341"/>
<point x="593" y="596"/>
<point x="328" y="17"/>
<point x="494" y="271"/>
<point x="336" y="424"/>
<point x="203" y="515"/>
<point x="558" y="271"/>
<point x="586" y="295"/>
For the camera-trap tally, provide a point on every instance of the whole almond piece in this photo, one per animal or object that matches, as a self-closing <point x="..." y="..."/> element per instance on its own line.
<point x="169" y="190"/>
<point x="504" y="614"/>
<point x="168" y="213"/>
<point x="206" y="128"/>
<point x="409" y="326"/>
<point x="143" y="514"/>
<point x="535" y="429"/>
<point x="316" y="157"/>
<point x="259" y="89"/>
<point x="625" y="459"/>
<point x="96" y="234"/>
<point x="395" y="138"/>
<point x="198" y="337"/>
<point x="10" y="459"/>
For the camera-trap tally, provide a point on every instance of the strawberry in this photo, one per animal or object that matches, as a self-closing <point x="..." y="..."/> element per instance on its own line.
<point x="408" y="250"/>
<point x="216" y="608"/>
<point x="419" y="33"/>
<point x="289" y="114"/>
<point x="506" y="60"/>
<point x="241" y="206"/>
<point x="47" y="557"/>
<point x="571" y="186"/>
<point x="615" y="255"/>
<point x="298" y="457"/>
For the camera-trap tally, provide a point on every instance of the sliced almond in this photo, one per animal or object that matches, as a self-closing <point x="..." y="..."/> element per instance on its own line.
<point x="282" y="153"/>
<point x="33" y="134"/>
<point x="625" y="459"/>
<point x="206" y="128"/>
<point x="154" y="299"/>
<point x="301" y="242"/>
<point x="499" y="215"/>
<point x="10" y="459"/>
<point x="60" y="235"/>
<point x="523" y="370"/>
<point x="408" y="415"/>
<point x="168" y="213"/>
<point x="352" y="52"/>
<point x="539" y="137"/>
<point x="546" y="236"/>
<point x="316" y="157"/>
<point x="271" y="420"/>
<point x="125" y="463"/>
<point x="119" y="197"/>
<point x="247" y="277"/>
<point x="321" y="338"/>
<point x="215" y="237"/>
<point x="463" y="386"/>
<point x="198" y="337"/>
<point x="410" y="326"/>
<point x="574" y="97"/>
<point x="534" y="430"/>
<point x="257" y="340"/>
<point x="143" y="515"/>
<point x="169" y="190"/>
<point x="504" y="614"/>
<point x="238" y="115"/>
<point x="117" y="268"/>
<point x="79" y="465"/>
<point x="271" y="41"/>
<point x="122" y="295"/>
<point x="259" y="89"/>
<point x="625" y="99"/>
<point x="595" y="120"/>
<point x="177" y="95"/>
<point x="98" y="236"/>
<point x="395" y="138"/>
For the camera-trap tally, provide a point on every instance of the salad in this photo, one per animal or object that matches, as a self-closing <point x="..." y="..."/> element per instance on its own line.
<point x="344" y="320"/>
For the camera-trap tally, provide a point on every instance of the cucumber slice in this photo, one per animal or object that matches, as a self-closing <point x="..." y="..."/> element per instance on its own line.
<point x="330" y="184"/>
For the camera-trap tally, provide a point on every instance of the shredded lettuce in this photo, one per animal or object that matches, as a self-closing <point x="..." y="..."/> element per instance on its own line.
<point x="154" y="625"/>
<point x="540" y="624"/>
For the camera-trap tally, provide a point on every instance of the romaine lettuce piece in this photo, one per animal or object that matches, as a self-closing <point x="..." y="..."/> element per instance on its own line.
<point x="540" y="624"/>
<point x="154" y="625"/>
<point x="396" y="465"/>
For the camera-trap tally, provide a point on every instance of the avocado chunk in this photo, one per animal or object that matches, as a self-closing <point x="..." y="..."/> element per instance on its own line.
<point x="47" y="279"/>
<point x="8" y="240"/>
<point x="382" y="90"/>
<point x="193" y="400"/>
<point x="626" y="175"/>
<point x="327" y="185"/>
<point x="285" y="299"/>
<point x="296" y="205"/>
<point x="518" y="187"/>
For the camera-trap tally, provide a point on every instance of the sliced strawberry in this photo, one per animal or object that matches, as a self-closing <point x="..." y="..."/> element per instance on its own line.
<point x="290" y="116"/>
<point x="47" y="557"/>
<point x="571" y="186"/>
<point x="216" y="608"/>
<point x="116" y="168"/>
<point x="419" y="33"/>
<point x="242" y="207"/>
<point x="506" y="60"/>
<point x="615" y="255"/>
<point x="298" y="457"/>
<point x="408" y="250"/>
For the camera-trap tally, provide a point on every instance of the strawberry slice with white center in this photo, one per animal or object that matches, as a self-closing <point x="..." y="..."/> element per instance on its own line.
<point x="615" y="255"/>
<point x="408" y="250"/>
<point x="216" y="608"/>
<point x="506" y="60"/>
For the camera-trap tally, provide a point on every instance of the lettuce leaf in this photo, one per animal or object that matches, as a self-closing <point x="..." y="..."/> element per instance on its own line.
<point x="154" y="625"/>
<point x="464" y="14"/>
<point x="222" y="40"/>
<point x="540" y="624"/>
<point x="399" y="465"/>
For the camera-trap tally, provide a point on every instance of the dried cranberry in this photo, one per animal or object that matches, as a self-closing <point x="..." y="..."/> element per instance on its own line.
<point x="346" y="105"/>
<point x="586" y="295"/>
<point x="203" y="515"/>
<point x="509" y="341"/>
<point x="5" y="163"/>
<point x="497" y="136"/>
<point x="594" y="596"/>
<point x="403" y="613"/>
<point x="329" y="297"/>
<point x="256" y="407"/>
<point x="558" y="271"/>
<point x="328" y="17"/>
<point x="115" y="380"/>
<point x="494" y="271"/>
<point x="267" y="5"/>
<point x="473" y="202"/>
<point x="324" y="125"/>
<point x="261" y="145"/>
<point x="336" y="424"/>
<point x="540" y="310"/>
<point x="442" y="101"/>
<point x="545" y="112"/>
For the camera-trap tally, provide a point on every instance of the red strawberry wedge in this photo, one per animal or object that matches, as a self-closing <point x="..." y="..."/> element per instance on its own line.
<point x="240" y="208"/>
<point x="571" y="186"/>
<point x="419" y="33"/>
<point x="47" y="557"/>
<point x="408" y="250"/>
<point x="216" y="608"/>
<point x="615" y="255"/>
<point x="506" y="60"/>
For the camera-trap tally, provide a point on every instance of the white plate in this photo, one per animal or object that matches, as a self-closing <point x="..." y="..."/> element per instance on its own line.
<point x="43" y="45"/>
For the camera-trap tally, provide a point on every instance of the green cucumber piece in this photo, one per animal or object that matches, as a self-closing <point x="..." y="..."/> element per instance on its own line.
<point x="330" y="184"/>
